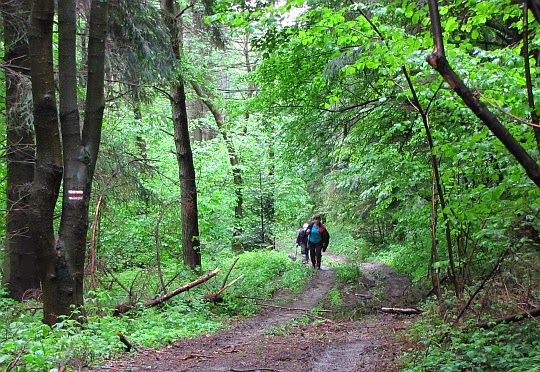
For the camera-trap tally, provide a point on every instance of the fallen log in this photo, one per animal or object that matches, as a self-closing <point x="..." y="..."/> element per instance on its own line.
<point x="510" y="319"/>
<point x="397" y="310"/>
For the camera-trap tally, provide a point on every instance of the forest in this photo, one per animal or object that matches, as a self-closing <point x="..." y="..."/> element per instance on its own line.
<point x="159" y="158"/>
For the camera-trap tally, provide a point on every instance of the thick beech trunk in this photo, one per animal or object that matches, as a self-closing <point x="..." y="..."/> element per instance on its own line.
<point x="48" y="171"/>
<point x="20" y="271"/>
<point x="62" y="257"/>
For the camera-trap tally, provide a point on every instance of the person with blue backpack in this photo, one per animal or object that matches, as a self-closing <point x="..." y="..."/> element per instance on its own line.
<point x="318" y="239"/>
<point x="301" y="241"/>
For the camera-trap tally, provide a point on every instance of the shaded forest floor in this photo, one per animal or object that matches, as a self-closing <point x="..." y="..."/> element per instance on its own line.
<point x="290" y="338"/>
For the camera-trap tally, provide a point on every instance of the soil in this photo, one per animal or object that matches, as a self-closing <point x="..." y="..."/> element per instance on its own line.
<point x="357" y="336"/>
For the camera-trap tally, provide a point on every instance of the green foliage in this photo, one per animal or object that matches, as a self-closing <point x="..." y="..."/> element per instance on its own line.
<point x="334" y="298"/>
<point x="348" y="273"/>
<point x="330" y="129"/>
<point x="36" y="346"/>
<point x="502" y="348"/>
<point x="266" y="272"/>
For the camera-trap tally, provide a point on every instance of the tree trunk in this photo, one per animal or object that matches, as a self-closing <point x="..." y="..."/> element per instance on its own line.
<point x="438" y="61"/>
<point x="186" y="169"/>
<point x="62" y="258"/>
<point x="48" y="171"/>
<point x="20" y="271"/>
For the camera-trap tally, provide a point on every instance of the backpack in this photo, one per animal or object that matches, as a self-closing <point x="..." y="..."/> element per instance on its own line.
<point x="302" y="236"/>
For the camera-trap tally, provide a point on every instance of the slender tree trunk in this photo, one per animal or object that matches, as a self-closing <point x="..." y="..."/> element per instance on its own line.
<point x="20" y="271"/>
<point x="186" y="169"/>
<point x="528" y="79"/>
<point x="219" y="118"/>
<point x="438" y="61"/>
<point x="454" y="274"/>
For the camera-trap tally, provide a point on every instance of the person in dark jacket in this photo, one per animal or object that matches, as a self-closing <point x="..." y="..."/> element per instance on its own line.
<point x="301" y="241"/>
<point x="318" y="239"/>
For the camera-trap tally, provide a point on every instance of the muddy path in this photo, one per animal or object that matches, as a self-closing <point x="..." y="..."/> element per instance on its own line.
<point x="276" y="340"/>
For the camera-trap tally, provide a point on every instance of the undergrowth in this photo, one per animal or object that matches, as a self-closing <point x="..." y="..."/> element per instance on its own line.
<point x="26" y="344"/>
<point x="441" y="347"/>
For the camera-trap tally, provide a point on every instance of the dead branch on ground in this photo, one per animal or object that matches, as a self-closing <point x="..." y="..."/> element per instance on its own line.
<point x="126" y="342"/>
<point x="397" y="310"/>
<point x="510" y="319"/>
<point x="229" y="272"/>
<point x="184" y="288"/>
<point x="216" y="297"/>
<point x="483" y="283"/>
<point x="173" y="293"/>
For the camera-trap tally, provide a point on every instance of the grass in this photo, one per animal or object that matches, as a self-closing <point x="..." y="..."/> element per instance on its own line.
<point x="26" y="344"/>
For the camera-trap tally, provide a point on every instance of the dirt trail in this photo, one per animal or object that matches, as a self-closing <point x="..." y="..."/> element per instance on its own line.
<point x="265" y="343"/>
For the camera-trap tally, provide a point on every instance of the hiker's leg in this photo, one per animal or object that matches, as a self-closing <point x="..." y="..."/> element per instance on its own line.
<point x="318" y="255"/>
<point x="312" y="253"/>
<point x="304" y="253"/>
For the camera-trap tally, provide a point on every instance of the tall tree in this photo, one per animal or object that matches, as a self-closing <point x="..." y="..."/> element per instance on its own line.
<point x="69" y="157"/>
<point x="186" y="169"/>
<point x="20" y="272"/>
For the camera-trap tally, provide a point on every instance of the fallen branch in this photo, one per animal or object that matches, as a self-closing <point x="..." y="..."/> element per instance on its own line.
<point x="228" y="285"/>
<point x="511" y="319"/>
<point x="184" y="288"/>
<point x="483" y="283"/>
<point x="295" y="308"/>
<point x="126" y="342"/>
<point x="123" y="308"/>
<point x="14" y="362"/>
<point x="216" y="297"/>
<point x="193" y="355"/>
<point x="397" y="310"/>
<point x="229" y="273"/>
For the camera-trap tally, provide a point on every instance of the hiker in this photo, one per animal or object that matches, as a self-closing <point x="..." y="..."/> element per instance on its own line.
<point x="301" y="241"/>
<point x="318" y="239"/>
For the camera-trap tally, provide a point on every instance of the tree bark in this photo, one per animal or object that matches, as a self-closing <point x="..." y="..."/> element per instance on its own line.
<point x="20" y="270"/>
<point x="62" y="258"/>
<point x="48" y="168"/>
<point x="438" y="61"/>
<point x="510" y="319"/>
<point x="186" y="169"/>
